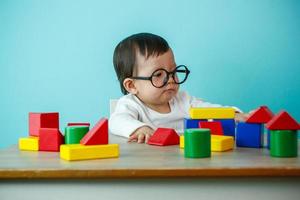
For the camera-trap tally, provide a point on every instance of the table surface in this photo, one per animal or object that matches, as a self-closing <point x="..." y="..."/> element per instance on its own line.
<point x="146" y="161"/>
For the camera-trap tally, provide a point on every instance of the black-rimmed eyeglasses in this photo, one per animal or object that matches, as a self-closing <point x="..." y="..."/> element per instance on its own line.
<point x="160" y="77"/>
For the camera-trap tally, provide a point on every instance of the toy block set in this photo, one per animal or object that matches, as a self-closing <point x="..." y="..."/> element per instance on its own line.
<point x="78" y="142"/>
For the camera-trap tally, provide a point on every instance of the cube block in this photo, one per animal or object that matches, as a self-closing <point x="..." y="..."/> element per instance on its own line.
<point x="50" y="139"/>
<point x="249" y="135"/>
<point x="215" y="127"/>
<point x="42" y="120"/>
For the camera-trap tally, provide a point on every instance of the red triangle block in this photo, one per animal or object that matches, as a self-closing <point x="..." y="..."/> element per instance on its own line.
<point x="261" y="115"/>
<point x="97" y="135"/>
<point x="164" y="137"/>
<point x="283" y="121"/>
<point x="215" y="127"/>
<point x="50" y="139"/>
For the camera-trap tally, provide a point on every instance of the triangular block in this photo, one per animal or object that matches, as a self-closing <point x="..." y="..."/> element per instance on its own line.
<point x="215" y="127"/>
<point x="164" y="137"/>
<point x="261" y="115"/>
<point x="98" y="134"/>
<point x="50" y="139"/>
<point x="283" y="121"/>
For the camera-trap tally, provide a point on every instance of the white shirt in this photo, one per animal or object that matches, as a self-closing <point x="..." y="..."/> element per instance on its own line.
<point x="130" y="114"/>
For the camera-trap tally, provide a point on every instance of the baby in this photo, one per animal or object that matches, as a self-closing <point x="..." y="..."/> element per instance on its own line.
<point x="149" y="78"/>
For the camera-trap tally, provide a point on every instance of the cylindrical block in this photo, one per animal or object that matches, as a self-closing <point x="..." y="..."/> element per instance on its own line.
<point x="283" y="143"/>
<point x="73" y="134"/>
<point x="197" y="143"/>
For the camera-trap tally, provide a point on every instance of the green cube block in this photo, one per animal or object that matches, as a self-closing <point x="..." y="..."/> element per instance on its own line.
<point x="73" y="134"/>
<point x="284" y="143"/>
<point x="197" y="143"/>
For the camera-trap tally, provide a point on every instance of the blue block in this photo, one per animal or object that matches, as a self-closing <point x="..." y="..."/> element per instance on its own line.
<point x="228" y="126"/>
<point x="192" y="123"/>
<point x="249" y="135"/>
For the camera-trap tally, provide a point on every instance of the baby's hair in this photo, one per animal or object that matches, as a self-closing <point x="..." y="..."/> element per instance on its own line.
<point x="124" y="58"/>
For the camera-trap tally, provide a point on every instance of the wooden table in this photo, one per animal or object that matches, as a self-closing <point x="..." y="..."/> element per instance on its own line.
<point x="160" y="168"/>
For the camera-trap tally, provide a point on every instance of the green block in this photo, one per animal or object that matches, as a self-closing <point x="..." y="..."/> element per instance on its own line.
<point x="73" y="134"/>
<point x="284" y="143"/>
<point x="197" y="143"/>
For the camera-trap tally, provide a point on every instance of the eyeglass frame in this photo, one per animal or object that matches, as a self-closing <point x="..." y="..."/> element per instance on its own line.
<point x="149" y="78"/>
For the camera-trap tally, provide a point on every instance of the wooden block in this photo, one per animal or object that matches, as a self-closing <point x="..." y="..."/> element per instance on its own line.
<point x="181" y="143"/>
<point x="72" y="152"/>
<point x="164" y="137"/>
<point x="50" y="139"/>
<point x="261" y="115"/>
<point x="29" y="143"/>
<point x="249" y="135"/>
<point x="283" y="121"/>
<point x="73" y="134"/>
<point x="221" y="143"/>
<point x="42" y="120"/>
<point x="98" y="134"/>
<point x="197" y="143"/>
<point x="212" y="113"/>
<point x="218" y="142"/>
<point x="215" y="127"/>
<point x="78" y="124"/>
<point x="284" y="143"/>
<point x="192" y="123"/>
<point x="228" y="126"/>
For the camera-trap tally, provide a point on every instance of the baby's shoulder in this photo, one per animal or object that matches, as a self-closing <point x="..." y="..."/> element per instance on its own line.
<point x="129" y="100"/>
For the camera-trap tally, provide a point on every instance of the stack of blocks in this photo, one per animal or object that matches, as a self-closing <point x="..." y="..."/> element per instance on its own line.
<point x="218" y="123"/>
<point x="84" y="144"/>
<point x="44" y="134"/>
<point x="80" y="142"/>
<point x="250" y="132"/>
<point x="282" y="134"/>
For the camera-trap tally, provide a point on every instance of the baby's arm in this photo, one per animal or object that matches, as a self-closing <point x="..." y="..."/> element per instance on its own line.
<point x="124" y="122"/>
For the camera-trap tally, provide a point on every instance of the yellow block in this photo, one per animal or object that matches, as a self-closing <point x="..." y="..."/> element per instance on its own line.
<point x="181" y="142"/>
<point x="84" y="152"/>
<point x="212" y="113"/>
<point x="29" y="143"/>
<point x="218" y="142"/>
<point x="221" y="143"/>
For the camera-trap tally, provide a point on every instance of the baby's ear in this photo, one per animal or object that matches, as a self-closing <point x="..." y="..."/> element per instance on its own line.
<point x="128" y="84"/>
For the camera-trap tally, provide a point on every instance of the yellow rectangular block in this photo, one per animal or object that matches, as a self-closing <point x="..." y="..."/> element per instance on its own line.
<point x="29" y="143"/>
<point x="221" y="143"/>
<point x="212" y="113"/>
<point x="181" y="142"/>
<point x="84" y="152"/>
<point x="218" y="142"/>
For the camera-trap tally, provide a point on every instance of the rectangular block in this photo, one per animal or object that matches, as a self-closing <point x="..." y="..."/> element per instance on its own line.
<point x="192" y="123"/>
<point x="221" y="143"/>
<point x="72" y="152"/>
<point x="29" y="143"/>
<point x="212" y="113"/>
<point x="218" y="143"/>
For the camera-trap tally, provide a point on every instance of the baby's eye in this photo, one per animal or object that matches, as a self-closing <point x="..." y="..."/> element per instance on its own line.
<point x="157" y="74"/>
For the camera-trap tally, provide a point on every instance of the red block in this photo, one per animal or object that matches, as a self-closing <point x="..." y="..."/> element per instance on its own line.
<point x="283" y="121"/>
<point x="215" y="127"/>
<point x="164" y="137"/>
<point x="261" y="115"/>
<point x="50" y="139"/>
<point x="97" y="135"/>
<point x="42" y="120"/>
<point x="79" y="124"/>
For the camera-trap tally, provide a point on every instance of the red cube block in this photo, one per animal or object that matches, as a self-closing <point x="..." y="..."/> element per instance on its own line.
<point x="42" y="120"/>
<point x="50" y="139"/>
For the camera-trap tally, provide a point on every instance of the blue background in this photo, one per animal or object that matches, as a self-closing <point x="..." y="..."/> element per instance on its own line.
<point x="56" y="55"/>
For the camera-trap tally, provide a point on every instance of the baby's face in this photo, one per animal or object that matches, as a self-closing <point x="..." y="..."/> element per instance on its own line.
<point x="145" y="90"/>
